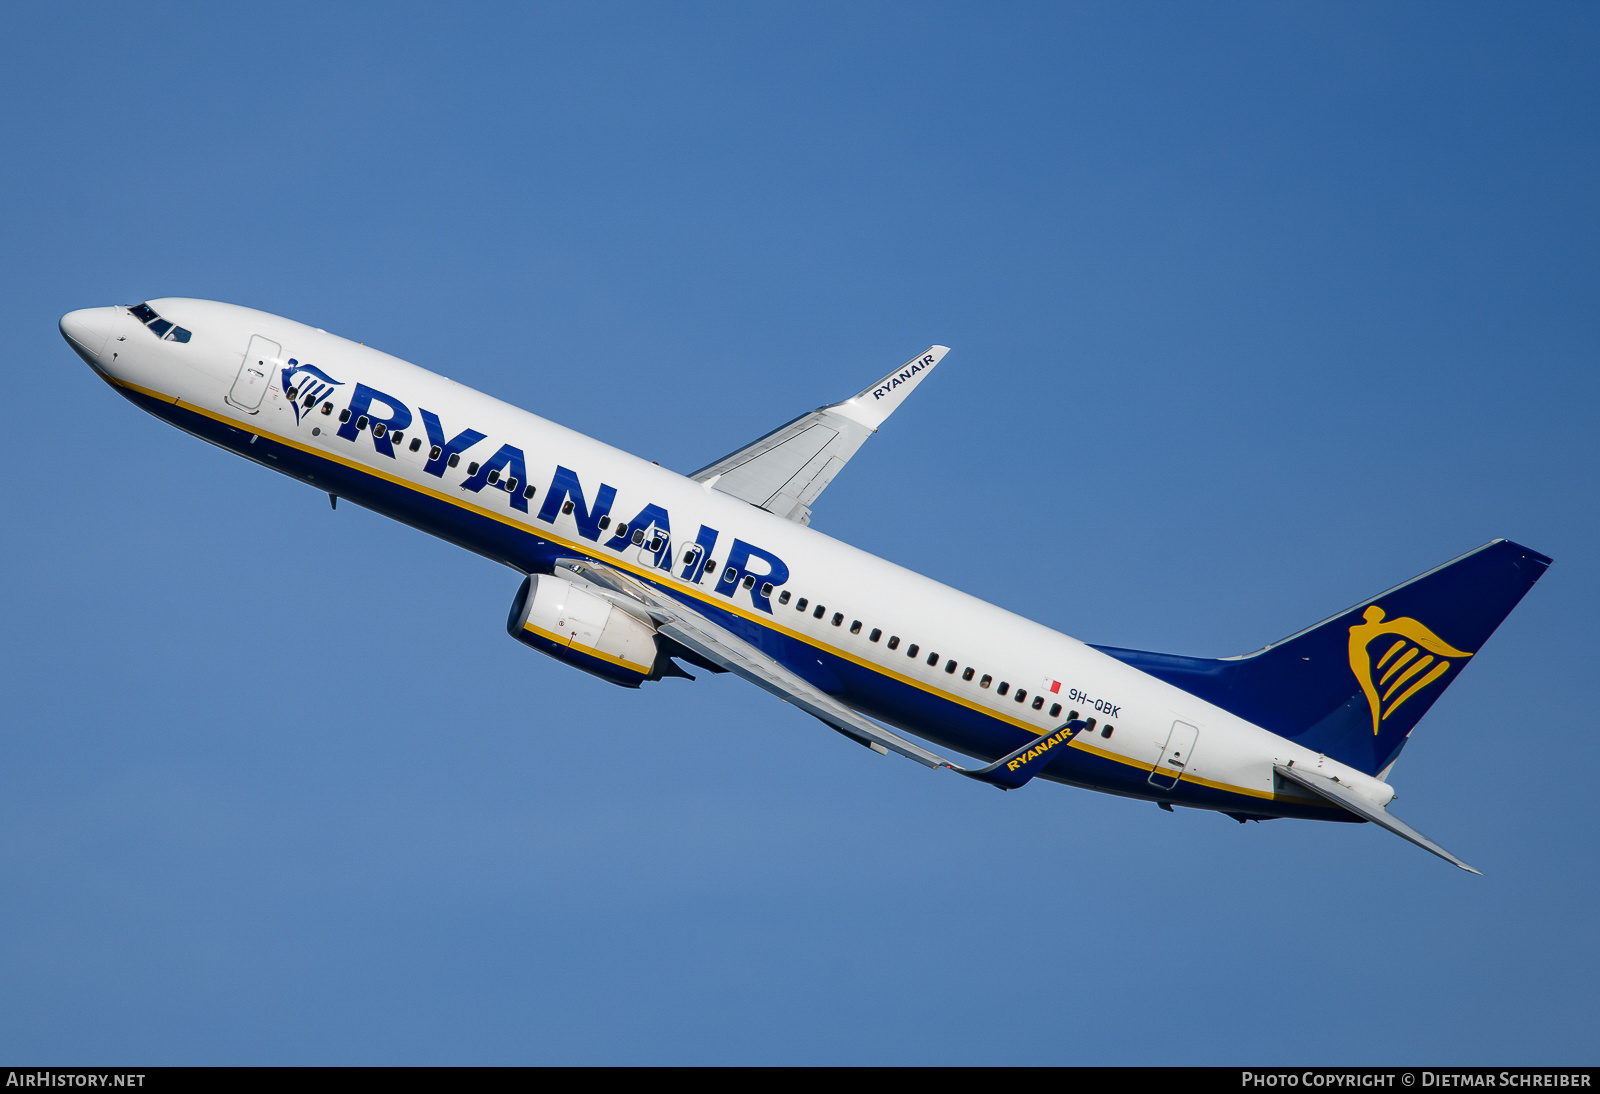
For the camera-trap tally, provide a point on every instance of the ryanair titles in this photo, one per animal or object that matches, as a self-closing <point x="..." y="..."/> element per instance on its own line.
<point x="903" y="376"/>
<point x="748" y="572"/>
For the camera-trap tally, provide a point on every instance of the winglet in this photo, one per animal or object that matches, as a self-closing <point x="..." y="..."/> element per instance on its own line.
<point x="1341" y="795"/>
<point x="1017" y="769"/>
<point x="872" y="406"/>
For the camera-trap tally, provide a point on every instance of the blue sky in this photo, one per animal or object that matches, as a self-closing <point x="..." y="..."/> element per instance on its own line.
<point x="1255" y="310"/>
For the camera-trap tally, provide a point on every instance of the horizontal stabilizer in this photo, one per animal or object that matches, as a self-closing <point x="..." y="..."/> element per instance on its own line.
<point x="1015" y="770"/>
<point x="785" y="471"/>
<point x="1342" y="796"/>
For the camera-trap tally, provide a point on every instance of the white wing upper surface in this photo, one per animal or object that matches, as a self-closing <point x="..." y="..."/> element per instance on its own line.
<point x="784" y="471"/>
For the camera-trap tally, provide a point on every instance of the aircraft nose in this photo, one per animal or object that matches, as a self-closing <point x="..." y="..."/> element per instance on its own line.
<point x="88" y="330"/>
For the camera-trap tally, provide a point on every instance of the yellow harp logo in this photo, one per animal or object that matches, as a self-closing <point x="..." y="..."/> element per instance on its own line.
<point x="1417" y="659"/>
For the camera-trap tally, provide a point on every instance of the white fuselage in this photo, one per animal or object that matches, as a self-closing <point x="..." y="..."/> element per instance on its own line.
<point x="1230" y="761"/>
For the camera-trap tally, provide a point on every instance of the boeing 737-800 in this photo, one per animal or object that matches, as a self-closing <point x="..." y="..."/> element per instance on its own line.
<point x="631" y="571"/>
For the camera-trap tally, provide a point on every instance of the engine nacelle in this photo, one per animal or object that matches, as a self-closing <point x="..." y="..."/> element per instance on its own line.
<point x="575" y="625"/>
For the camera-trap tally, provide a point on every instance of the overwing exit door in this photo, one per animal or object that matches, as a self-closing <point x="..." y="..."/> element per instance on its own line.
<point x="1175" y="757"/>
<point x="255" y="373"/>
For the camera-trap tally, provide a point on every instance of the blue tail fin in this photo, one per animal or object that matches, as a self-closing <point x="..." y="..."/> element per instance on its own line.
<point x="1354" y="686"/>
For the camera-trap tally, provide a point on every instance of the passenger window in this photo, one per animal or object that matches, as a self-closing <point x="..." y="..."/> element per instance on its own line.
<point x="622" y="530"/>
<point x="397" y="436"/>
<point x="638" y="536"/>
<point x="455" y="461"/>
<point x="967" y="675"/>
<point x="291" y="394"/>
<point x="818" y="613"/>
<point x="344" y="415"/>
<point x="529" y="492"/>
<point x="655" y="543"/>
<point x="986" y="681"/>
<point x="311" y="401"/>
<point x="950" y="667"/>
<point x="1106" y="732"/>
<point x="160" y="327"/>
<point x="1003" y="688"/>
<point x="178" y="335"/>
<point x="783" y="597"/>
<point x="567" y="508"/>
<point x="894" y="642"/>
<point x="378" y="430"/>
<point x="1088" y="725"/>
<point x="494" y="477"/>
<point x="472" y="468"/>
<point x="855" y="627"/>
<point x="911" y="650"/>
<point x="933" y="659"/>
<point x="1055" y="710"/>
<point x="800" y="605"/>
<point x="361" y="423"/>
<point x="511" y="486"/>
<point x="711" y="567"/>
<point x="327" y="408"/>
<point x="875" y="635"/>
<point x="749" y="581"/>
<point x="1038" y="702"/>
<point x="838" y="617"/>
<point x="1022" y="695"/>
<point x="605" y="522"/>
<point x="766" y="589"/>
<point x="416" y="443"/>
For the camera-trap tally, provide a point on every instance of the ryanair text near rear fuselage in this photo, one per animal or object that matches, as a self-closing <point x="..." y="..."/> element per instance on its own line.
<point x="632" y="571"/>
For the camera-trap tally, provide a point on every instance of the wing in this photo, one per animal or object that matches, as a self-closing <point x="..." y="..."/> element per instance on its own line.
<point x="784" y="471"/>
<point x="721" y="647"/>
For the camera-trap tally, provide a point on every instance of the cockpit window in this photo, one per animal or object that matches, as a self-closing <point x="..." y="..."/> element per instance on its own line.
<point x="145" y="314"/>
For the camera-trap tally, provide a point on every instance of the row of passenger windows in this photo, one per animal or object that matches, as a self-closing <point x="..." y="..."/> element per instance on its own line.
<point x="159" y="327"/>
<point x="397" y="437"/>
<point x="932" y="659"/>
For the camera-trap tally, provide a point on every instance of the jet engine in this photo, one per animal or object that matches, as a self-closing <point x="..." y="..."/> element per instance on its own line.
<point x="579" y="626"/>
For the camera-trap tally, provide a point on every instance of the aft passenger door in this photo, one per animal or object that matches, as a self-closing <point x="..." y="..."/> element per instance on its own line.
<point x="1176" y="756"/>
<point x="255" y="373"/>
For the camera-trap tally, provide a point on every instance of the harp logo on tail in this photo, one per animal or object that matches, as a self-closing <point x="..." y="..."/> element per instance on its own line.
<point x="1416" y="658"/>
<point x="309" y="384"/>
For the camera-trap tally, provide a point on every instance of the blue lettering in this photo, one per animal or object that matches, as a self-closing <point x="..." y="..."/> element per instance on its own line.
<point x="565" y="484"/>
<point x="650" y="515"/>
<point x="510" y="460"/>
<point x="459" y="443"/>
<point x="695" y="568"/>
<point x="738" y="564"/>
<point x="361" y="401"/>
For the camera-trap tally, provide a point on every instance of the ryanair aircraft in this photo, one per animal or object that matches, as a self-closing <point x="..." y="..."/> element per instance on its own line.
<point x="632" y="572"/>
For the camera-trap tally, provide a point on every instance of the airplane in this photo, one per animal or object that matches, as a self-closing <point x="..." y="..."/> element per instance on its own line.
<point x="636" y="573"/>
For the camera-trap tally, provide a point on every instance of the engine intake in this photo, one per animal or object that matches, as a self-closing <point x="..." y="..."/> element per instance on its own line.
<point x="572" y="624"/>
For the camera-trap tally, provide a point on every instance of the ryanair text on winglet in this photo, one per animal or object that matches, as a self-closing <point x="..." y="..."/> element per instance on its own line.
<point x="1041" y="748"/>
<point x="902" y="376"/>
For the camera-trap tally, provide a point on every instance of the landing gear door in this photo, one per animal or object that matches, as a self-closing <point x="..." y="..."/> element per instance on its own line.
<point x="1176" y="756"/>
<point x="254" y="374"/>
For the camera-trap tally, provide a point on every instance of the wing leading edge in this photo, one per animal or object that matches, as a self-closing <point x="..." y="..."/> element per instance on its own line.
<point x="784" y="471"/>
